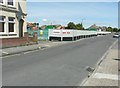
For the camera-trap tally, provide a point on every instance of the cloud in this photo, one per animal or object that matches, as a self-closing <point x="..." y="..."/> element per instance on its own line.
<point x="100" y="13"/>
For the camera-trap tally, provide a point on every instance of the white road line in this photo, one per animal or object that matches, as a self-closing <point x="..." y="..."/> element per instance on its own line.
<point x="31" y="51"/>
<point x="48" y="45"/>
<point x="106" y="76"/>
<point x="84" y="80"/>
<point x="5" y="52"/>
<point x="43" y="49"/>
<point x="99" y="62"/>
<point x="10" y="55"/>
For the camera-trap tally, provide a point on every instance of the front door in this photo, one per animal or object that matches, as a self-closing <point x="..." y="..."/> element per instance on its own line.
<point x="21" y="28"/>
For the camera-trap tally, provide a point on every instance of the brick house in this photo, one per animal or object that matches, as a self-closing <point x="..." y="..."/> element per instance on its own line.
<point x="12" y="18"/>
<point x="13" y="23"/>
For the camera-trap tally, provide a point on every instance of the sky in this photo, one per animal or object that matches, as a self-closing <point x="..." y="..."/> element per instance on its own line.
<point x="99" y="13"/>
<point x="73" y="0"/>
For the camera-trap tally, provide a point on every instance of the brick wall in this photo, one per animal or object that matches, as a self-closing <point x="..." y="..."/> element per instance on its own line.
<point x="10" y="42"/>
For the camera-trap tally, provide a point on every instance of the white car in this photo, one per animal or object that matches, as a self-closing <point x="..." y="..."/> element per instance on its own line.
<point x="117" y="35"/>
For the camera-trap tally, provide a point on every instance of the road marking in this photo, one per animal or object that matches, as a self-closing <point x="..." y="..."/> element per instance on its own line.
<point x="43" y="48"/>
<point x="106" y="76"/>
<point x="31" y="51"/>
<point x="98" y="63"/>
<point x="10" y="55"/>
<point x="5" y="52"/>
<point x="48" y="45"/>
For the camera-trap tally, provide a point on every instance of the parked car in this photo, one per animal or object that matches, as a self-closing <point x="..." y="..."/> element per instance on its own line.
<point x="116" y="35"/>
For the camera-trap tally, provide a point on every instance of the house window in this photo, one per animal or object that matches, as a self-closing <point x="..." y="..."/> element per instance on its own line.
<point x="10" y="2"/>
<point x="11" y="24"/>
<point x="2" y="23"/>
<point x="1" y="1"/>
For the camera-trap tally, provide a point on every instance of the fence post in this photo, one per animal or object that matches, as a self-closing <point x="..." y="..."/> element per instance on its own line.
<point x="26" y="36"/>
<point x="35" y="37"/>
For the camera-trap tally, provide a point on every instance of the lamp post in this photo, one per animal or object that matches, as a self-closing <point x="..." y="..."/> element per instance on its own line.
<point x="82" y="22"/>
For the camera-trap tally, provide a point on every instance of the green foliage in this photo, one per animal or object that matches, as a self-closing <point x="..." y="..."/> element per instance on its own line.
<point x="72" y="25"/>
<point x="110" y="29"/>
<point x="79" y="26"/>
<point x="113" y="29"/>
<point x="118" y="30"/>
<point x="36" y="24"/>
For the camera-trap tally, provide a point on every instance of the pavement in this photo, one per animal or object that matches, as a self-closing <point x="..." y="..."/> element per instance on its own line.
<point x="56" y="66"/>
<point x="21" y="49"/>
<point x="106" y="72"/>
<point x="41" y="45"/>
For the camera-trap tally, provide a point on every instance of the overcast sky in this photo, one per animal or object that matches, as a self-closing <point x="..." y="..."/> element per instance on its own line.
<point x="99" y="13"/>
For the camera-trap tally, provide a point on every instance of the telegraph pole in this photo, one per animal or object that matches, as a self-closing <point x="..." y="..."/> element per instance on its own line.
<point x="82" y="22"/>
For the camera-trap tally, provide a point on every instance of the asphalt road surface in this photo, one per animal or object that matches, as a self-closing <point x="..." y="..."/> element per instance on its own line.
<point x="57" y="66"/>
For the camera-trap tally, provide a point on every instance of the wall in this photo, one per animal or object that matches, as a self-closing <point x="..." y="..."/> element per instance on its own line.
<point x="21" y="7"/>
<point x="10" y="42"/>
<point x="71" y="34"/>
<point x="7" y="33"/>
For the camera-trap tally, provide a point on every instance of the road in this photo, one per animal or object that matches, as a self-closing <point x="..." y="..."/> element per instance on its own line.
<point x="57" y="66"/>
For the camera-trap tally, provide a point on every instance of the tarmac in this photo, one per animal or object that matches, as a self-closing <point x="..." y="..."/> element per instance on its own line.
<point x="20" y="49"/>
<point x="106" y="72"/>
<point x="40" y="45"/>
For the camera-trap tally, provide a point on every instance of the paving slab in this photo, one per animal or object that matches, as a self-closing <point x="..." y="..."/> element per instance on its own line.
<point x="20" y="49"/>
<point x="107" y="72"/>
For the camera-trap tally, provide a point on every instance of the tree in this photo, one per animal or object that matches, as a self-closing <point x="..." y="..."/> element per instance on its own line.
<point x="79" y="26"/>
<point x="34" y="24"/>
<point x="115" y="29"/>
<point x="37" y="24"/>
<point x="71" y="25"/>
<point x="110" y="29"/>
<point x="118" y="30"/>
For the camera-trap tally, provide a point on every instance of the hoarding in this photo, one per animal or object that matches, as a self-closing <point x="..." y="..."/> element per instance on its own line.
<point x="72" y="33"/>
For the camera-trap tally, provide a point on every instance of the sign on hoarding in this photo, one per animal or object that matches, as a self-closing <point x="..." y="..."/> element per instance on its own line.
<point x="56" y="32"/>
<point x="66" y="32"/>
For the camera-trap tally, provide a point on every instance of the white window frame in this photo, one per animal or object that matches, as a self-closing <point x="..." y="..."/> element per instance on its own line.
<point x="11" y="5"/>
<point x="4" y="21"/>
<point x="14" y="25"/>
<point x="3" y="2"/>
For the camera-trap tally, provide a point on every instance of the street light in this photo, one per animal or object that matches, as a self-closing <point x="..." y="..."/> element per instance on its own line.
<point x="82" y="22"/>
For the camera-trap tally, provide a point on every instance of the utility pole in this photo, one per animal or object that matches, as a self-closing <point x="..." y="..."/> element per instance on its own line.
<point x="82" y="22"/>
